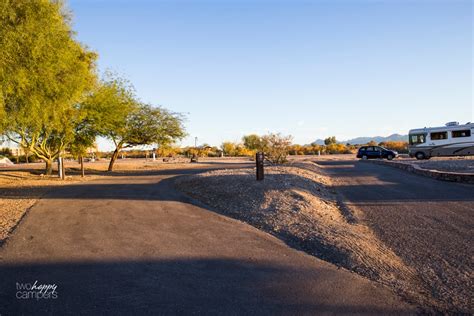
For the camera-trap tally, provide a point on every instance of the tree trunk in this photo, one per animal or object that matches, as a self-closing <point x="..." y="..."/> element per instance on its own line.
<point x="49" y="167"/>
<point x="114" y="157"/>
<point x="82" y="166"/>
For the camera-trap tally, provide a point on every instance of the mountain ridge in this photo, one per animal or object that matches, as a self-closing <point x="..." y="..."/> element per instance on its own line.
<point x="365" y="139"/>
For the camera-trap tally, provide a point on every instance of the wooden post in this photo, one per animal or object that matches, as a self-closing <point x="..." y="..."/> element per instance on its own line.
<point x="259" y="158"/>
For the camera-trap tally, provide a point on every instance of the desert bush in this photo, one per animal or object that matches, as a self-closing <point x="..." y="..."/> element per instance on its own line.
<point x="276" y="147"/>
<point x="231" y="149"/>
<point x="337" y="149"/>
<point x="168" y="151"/>
<point x="228" y="148"/>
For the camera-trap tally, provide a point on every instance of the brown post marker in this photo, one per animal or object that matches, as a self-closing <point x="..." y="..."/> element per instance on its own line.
<point x="259" y="157"/>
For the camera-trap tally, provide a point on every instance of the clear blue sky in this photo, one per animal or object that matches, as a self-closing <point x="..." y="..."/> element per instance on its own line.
<point x="311" y="69"/>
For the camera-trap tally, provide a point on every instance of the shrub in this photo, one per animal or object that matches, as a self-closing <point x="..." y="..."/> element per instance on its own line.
<point x="276" y="147"/>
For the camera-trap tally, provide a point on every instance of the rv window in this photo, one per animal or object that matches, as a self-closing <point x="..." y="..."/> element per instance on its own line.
<point x="417" y="139"/>
<point x="439" y="135"/>
<point x="463" y="133"/>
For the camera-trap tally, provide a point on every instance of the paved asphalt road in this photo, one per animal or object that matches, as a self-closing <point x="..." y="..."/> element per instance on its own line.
<point x="132" y="244"/>
<point x="428" y="223"/>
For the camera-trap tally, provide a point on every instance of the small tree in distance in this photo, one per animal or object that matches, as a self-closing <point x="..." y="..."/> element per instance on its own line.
<point x="252" y="142"/>
<point x="276" y="147"/>
<point x="145" y="126"/>
<point x="330" y="140"/>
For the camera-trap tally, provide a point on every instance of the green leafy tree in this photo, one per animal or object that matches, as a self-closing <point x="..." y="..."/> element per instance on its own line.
<point x="252" y="142"/>
<point x="110" y="107"/>
<point x="44" y="73"/>
<point x="119" y="117"/>
<point x="148" y="125"/>
<point x="330" y="140"/>
<point x="84" y="137"/>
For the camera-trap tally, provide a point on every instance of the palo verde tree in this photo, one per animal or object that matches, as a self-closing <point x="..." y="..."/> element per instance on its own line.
<point x="44" y="73"/>
<point x="145" y="126"/>
<point x="127" y="122"/>
<point x="85" y="134"/>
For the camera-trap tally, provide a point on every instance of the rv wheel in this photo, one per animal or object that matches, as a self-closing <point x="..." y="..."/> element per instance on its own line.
<point x="420" y="156"/>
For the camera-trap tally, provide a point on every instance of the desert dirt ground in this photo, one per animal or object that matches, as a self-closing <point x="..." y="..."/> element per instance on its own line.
<point x="129" y="242"/>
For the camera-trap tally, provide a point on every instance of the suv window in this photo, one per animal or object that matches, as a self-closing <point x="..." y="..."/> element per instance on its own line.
<point x="370" y="148"/>
<point x="463" y="133"/>
<point x="362" y="148"/>
<point x="439" y="135"/>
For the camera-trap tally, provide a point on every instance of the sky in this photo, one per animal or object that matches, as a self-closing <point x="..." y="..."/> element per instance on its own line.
<point x="310" y="69"/>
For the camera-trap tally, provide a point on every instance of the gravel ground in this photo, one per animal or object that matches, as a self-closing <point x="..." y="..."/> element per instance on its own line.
<point x="448" y="164"/>
<point x="451" y="165"/>
<point x="296" y="204"/>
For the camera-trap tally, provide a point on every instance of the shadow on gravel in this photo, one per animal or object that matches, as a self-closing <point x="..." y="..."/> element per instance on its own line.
<point x="174" y="286"/>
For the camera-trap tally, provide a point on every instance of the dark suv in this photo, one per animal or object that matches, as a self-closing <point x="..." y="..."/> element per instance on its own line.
<point x="371" y="152"/>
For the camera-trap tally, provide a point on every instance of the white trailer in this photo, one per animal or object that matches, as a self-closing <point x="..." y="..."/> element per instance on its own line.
<point x="449" y="140"/>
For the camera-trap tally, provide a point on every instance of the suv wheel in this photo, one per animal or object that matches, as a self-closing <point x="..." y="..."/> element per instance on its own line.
<point x="389" y="156"/>
<point x="420" y="156"/>
<point x="364" y="157"/>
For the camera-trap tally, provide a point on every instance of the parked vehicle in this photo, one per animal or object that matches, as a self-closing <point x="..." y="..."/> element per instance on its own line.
<point x="372" y="152"/>
<point x="449" y="140"/>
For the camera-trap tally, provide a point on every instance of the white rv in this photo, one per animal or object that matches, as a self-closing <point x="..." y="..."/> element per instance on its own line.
<point x="450" y="140"/>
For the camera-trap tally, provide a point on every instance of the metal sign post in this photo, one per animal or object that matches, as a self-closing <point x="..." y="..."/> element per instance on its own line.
<point x="259" y="158"/>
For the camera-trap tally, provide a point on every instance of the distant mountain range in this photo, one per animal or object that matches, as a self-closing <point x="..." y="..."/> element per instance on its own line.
<point x="365" y="140"/>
